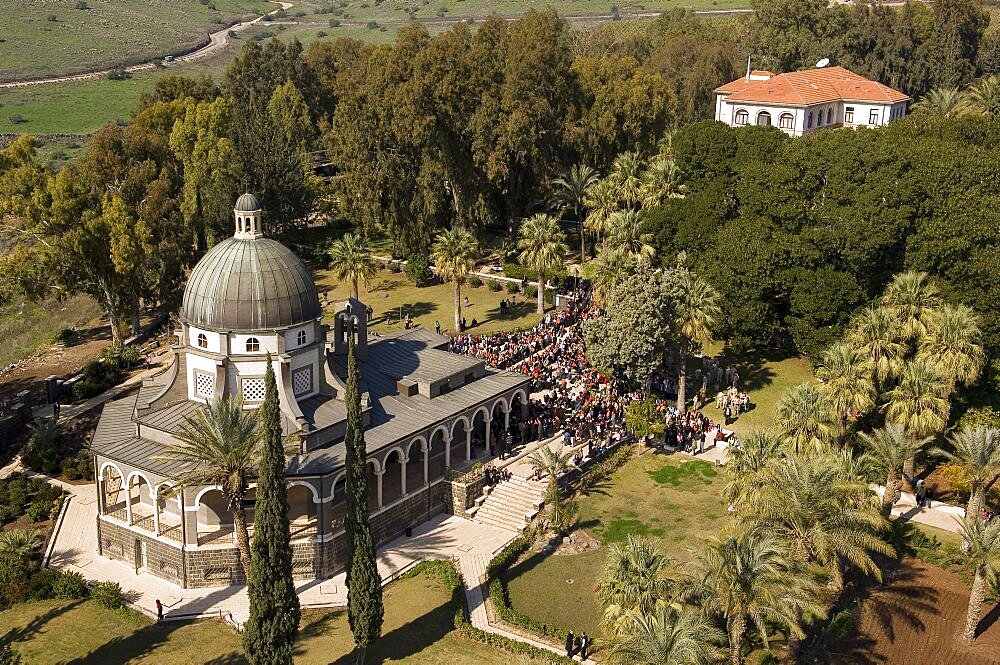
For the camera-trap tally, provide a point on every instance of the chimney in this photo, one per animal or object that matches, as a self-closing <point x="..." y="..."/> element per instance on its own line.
<point x="748" y="67"/>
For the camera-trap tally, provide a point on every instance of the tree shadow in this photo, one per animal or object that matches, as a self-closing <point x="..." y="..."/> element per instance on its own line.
<point x="511" y="312"/>
<point x="409" y="639"/>
<point x="140" y="643"/>
<point x="987" y="621"/>
<point x="35" y="626"/>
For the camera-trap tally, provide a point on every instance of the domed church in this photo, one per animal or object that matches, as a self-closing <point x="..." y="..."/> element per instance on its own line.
<point x="428" y="414"/>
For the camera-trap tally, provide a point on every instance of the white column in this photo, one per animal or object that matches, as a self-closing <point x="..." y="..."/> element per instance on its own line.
<point x="427" y="454"/>
<point x="506" y="419"/>
<point x="128" y="502"/>
<point x="468" y="443"/>
<point x="156" y="511"/>
<point x="378" y="486"/>
<point x="447" y="451"/>
<point x="402" y="476"/>
<point x="488" y="420"/>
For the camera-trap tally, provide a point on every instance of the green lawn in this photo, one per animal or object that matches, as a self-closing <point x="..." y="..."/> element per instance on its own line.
<point x="52" y="37"/>
<point x="417" y="630"/>
<point x="25" y="326"/>
<point x="392" y="294"/>
<point x="673" y="499"/>
<point x="766" y="381"/>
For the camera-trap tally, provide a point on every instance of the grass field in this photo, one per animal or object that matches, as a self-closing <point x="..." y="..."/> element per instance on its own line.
<point x="26" y="326"/>
<point x="417" y="630"/>
<point x="673" y="499"/>
<point x="53" y="37"/>
<point x="392" y="295"/>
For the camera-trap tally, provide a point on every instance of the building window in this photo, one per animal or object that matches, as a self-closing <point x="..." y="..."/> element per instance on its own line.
<point x="253" y="345"/>
<point x="809" y="124"/>
<point x="829" y="116"/>
<point x="786" y="121"/>
<point x="764" y="119"/>
<point x="742" y="117"/>
<point x="204" y="384"/>
<point x="849" y="115"/>
<point x="252" y="389"/>
<point x="300" y="338"/>
<point x="819" y="118"/>
<point x="873" y="118"/>
<point x="302" y="380"/>
<point x="202" y="341"/>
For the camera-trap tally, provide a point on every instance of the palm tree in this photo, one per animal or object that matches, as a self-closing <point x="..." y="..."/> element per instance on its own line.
<point x="571" y="191"/>
<point x="845" y="371"/>
<point x="983" y="552"/>
<point x="952" y="345"/>
<point x="551" y="463"/>
<point x="747" y="462"/>
<point x="666" y="637"/>
<point x="977" y="451"/>
<point x="696" y="310"/>
<point x="351" y="260"/>
<point x="912" y="299"/>
<point x="943" y="102"/>
<point x="607" y="272"/>
<point x="219" y="445"/>
<point x="984" y="97"/>
<point x="626" y="235"/>
<point x="661" y="181"/>
<point x="20" y="543"/>
<point x="918" y="402"/>
<point x="826" y="518"/>
<point x="602" y="202"/>
<point x="543" y="248"/>
<point x="876" y="333"/>
<point x="634" y="580"/>
<point x="454" y="254"/>
<point x="626" y="178"/>
<point x="750" y="580"/>
<point x="886" y="452"/>
<point x="806" y="418"/>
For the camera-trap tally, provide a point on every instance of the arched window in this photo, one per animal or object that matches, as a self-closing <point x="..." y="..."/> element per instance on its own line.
<point x="202" y="341"/>
<point x="764" y="119"/>
<point x="809" y="124"/>
<point x="786" y="121"/>
<point x="829" y="116"/>
<point x="742" y="117"/>
<point x="253" y="345"/>
<point x="300" y="338"/>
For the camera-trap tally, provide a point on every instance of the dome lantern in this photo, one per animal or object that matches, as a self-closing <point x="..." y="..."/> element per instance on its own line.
<point x="248" y="219"/>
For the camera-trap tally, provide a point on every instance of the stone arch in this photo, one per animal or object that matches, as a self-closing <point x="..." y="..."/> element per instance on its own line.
<point x="338" y="502"/>
<point x="410" y="453"/>
<point x="149" y="486"/>
<point x="302" y="509"/>
<point x="113" y="501"/>
<point x="435" y="455"/>
<point x="374" y="469"/>
<point x="308" y="486"/>
<point x="458" y="451"/>
<point x="213" y="519"/>
<point x="480" y="426"/>
<point x="393" y="481"/>
<point x="203" y="491"/>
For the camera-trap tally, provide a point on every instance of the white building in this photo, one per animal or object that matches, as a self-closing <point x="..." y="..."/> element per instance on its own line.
<point x="798" y="103"/>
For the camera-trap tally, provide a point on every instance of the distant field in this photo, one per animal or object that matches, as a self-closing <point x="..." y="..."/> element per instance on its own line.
<point x="52" y="37"/>
<point x="25" y="326"/>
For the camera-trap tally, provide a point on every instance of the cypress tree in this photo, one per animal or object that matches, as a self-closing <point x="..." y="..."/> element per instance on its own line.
<point x="364" y="585"/>
<point x="274" y="606"/>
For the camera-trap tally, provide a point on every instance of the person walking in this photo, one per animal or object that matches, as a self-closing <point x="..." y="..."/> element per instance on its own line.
<point x="159" y="610"/>
<point x="570" y="645"/>
<point x="584" y="645"/>
<point x="437" y="327"/>
<point x="920" y="491"/>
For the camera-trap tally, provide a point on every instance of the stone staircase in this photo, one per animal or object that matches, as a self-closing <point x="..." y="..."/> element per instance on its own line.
<point x="510" y="504"/>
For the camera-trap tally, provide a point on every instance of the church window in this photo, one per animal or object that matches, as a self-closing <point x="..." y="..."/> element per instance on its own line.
<point x="300" y="338"/>
<point x="202" y="341"/>
<point x="253" y="389"/>
<point x="742" y="117"/>
<point x="302" y="381"/>
<point x="253" y="345"/>
<point x="849" y="114"/>
<point x="764" y="119"/>
<point x="829" y="116"/>
<point x="204" y="384"/>
<point x="873" y="118"/>
<point x="786" y="121"/>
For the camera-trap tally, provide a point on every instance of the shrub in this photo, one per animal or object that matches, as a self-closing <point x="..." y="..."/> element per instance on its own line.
<point x="15" y="574"/>
<point x="121" y="356"/>
<point x="334" y="23"/>
<point x="40" y="510"/>
<point x="82" y="5"/>
<point x="8" y="513"/>
<point x="117" y="74"/>
<point x="494" y="285"/>
<point x="512" y="287"/>
<point x="531" y="291"/>
<point x="393" y="267"/>
<point x="372" y="25"/>
<point x="418" y="270"/>
<point x="109" y="595"/>
<point x="52" y="18"/>
<point x="70" y="585"/>
<point x="321" y="33"/>
<point x="16" y="119"/>
<point x="42" y="583"/>
<point x="475" y="282"/>
<point x="9" y="657"/>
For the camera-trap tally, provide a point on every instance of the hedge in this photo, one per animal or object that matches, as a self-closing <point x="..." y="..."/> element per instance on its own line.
<point x="517" y="271"/>
<point x="446" y="573"/>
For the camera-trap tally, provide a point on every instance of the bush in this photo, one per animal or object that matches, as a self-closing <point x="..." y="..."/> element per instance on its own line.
<point x="121" y="356"/>
<point x="334" y="23"/>
<point x="475" y="282"/>
<point x="97" y="377"/>
<point x="321" y="33"/>
<point x="512" y="287"/>
<point x="117" y="74"/>
<point x="15" y="575"/>
<point x="8" y="513"/>
<point x="531" y="291"/>
<point x="40" y="510"/>
<point x="9" y="657"/>
<point x="42" y="584"/>
<point x="494" y="285"/>
<point x="393" y="267"/>
<point x="418" y="270"/>
<point x="70" y="585"/>
<point x="109" y="595"/>
<point x="82" y="5"/>
<point x="16" y="119"/>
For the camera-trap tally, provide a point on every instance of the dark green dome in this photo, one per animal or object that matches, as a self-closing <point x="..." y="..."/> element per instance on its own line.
<point x="247" y="203"/>
<point x="249" y="285"/>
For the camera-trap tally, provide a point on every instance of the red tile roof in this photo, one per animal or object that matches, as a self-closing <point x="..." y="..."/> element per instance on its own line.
<point x="811" y="86"/>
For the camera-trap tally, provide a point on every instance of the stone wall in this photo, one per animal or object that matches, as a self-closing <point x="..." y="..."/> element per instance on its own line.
<point x="462" y="495"/>
<point x="163" y="560"/>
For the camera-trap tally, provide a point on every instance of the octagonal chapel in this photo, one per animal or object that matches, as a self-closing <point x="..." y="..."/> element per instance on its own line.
<point x="428" y="415"/>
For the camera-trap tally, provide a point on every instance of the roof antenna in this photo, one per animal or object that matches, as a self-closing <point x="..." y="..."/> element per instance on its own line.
<point x="748" y="67"/>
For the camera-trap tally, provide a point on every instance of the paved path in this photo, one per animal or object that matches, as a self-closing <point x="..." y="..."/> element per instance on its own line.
<point x="216" y="41"/>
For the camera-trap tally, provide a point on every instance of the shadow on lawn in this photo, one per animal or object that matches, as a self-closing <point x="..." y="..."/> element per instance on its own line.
<point x="35" y="626"/>
<point x="139" y="643"/>
<point x="407" y="640"/>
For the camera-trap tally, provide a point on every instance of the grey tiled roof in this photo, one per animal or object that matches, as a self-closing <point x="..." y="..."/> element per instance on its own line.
<point x="249" y="285"/>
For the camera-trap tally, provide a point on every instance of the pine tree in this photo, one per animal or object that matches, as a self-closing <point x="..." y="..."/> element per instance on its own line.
<point x="274" y="606"/>
<point x="364" y="585"/>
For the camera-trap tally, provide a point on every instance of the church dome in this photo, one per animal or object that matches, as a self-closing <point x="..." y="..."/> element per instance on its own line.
<point x="247" y="203"/>
<point x="249" y="283"/>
